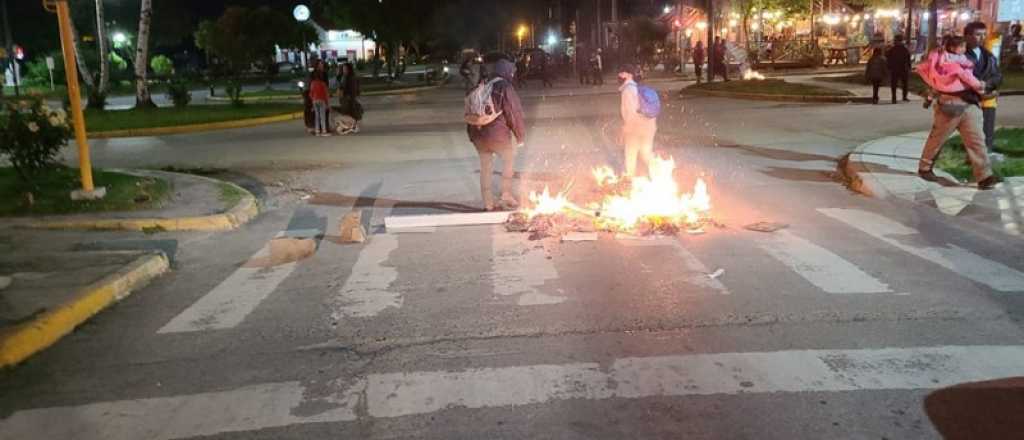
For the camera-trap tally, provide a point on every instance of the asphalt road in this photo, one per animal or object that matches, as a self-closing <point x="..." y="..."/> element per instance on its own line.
<point x="861" y="320"/>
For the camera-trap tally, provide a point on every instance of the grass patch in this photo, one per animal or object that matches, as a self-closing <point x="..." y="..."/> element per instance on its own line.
<point x="124" y="193"/>
<point x="1009" y="141"/>
<point x="771" y="87"/>
<point x="1011" y="81"/>
<point x="108" y="120"/>
<point x="230" y="194"/>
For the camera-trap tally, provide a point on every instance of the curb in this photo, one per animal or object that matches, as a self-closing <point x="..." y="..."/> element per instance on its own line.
<point x="839" y="99"/>
<point x="298" y="96"/>
<point x="44" y="330"/>
<point x="192" y="128"/>
<point x="242" y="213"/>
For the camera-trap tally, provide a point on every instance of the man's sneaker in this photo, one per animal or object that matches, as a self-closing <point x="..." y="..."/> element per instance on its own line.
<point x="928" y="175"/>
<point x="989" y="182"/>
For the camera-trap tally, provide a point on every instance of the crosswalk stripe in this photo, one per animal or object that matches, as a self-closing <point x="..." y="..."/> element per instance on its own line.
<point x="695" y="272"/>
<point x="163" y="418"/>
<point x="401" y="394"/>
<point x="819" y="266"/>
<point x="518" y="269"/>
<point x="233" y="299"/>
<point x="367" y="291"/>
<point x="968" y="264"/>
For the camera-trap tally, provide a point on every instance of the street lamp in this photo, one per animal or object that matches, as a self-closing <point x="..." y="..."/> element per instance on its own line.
<point x="521" y="33"/>
<point x="301" y="14"/>
<point x="119" y="38"/>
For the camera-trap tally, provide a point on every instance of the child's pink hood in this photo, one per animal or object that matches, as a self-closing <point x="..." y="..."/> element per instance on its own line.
<point x="948" y="76"/>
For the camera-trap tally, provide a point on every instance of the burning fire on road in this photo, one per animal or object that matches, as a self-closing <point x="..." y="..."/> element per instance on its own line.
<point x="652" y="204"/>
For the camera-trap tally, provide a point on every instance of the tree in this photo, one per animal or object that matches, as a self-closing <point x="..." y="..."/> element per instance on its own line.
<point x="162" y="65"/>
<point x="142" y="96"/>
<point x="242" y="37"/>
<point x="392" y="24"/>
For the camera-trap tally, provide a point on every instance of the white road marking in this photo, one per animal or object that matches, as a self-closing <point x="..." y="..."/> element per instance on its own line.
<point x="232" y="300"/>
<point x="970" y="265"/>
<point x="367" y="290"/>
<point x="693" y="270"/>
<point x="163" y="418"/>
<point x="818" y="265"/>
<point x="410" y="393"/>
<point x="518" y="269"/>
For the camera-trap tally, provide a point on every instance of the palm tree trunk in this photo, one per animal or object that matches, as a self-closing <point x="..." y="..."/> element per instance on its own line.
<point x="83" y="69"/>
<point x="101" y="39"/>
<point x="142" y="96"/>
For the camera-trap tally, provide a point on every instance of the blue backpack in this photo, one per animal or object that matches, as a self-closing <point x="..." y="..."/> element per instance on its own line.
<point x="650" y="103"/>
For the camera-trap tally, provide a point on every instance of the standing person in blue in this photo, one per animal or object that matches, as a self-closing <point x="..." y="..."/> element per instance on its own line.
<point x="494" y="114"/>
<point x="639" y="108"/>
<point x="986" y="69"/>
<point x="898" y="58"/>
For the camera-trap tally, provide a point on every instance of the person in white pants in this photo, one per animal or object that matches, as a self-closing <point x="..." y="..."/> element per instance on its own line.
<point x="637" y="130"/>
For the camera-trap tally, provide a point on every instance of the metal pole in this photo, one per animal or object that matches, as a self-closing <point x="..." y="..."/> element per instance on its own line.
<point x="12" y="61"/>
<point x="84" y="162"/>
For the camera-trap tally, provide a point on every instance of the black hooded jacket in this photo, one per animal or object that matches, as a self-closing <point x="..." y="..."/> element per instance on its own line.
<point x="511" y="122"/>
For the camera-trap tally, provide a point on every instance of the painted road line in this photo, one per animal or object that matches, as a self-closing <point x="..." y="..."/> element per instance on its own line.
<point x="693" y="270"/>
<point x="518" y="269"/>
<point x="959" y="260"/>
<point x="163" y="418"/>
<point x="423" y="392"/>
<point x="819" y="266"/>
<point x="367" y="291"/>
<point x="232" y="300"/>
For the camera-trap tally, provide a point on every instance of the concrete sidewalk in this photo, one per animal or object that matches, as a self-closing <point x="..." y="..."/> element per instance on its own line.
<point x="887" y="168"/>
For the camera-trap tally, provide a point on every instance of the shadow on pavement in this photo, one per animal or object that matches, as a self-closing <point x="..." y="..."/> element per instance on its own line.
<point x="979" y="410"/>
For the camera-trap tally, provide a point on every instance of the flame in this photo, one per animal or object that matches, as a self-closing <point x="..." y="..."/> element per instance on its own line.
<point x="605" y="176"/>
<point x="750" y="74"/>
<point x="656" y="197"/>
<point x="546" y="204"/>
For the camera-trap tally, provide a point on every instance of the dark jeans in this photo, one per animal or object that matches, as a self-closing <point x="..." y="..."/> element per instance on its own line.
<point x="988" y="116"/>
<point x="875" y="85"/>
<point x="899" y="78"/>
<point x="697" y="68"/>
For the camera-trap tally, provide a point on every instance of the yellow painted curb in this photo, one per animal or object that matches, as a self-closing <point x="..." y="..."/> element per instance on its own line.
<point x="192" y="128"/>
<point x="47" y="328"/>
<point x="243" y="212"/>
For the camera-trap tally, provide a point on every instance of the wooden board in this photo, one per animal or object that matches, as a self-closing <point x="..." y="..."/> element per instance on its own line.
<point x="435" y="220"/>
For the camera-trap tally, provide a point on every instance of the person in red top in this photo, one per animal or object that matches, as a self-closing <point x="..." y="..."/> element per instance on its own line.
<point x="320" y="96"/>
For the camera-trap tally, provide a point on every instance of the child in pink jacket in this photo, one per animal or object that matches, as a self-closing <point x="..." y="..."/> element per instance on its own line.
<point x="948" y="70"/>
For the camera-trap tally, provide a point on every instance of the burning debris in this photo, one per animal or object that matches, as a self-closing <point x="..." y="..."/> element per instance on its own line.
<point x="751" y="74"/>
<point x="651" y="205"/>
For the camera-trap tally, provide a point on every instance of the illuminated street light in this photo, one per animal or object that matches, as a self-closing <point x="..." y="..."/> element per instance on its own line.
<point x="119" y="38"/>
<point x="702" y="25"/>
<point x="965" y="16"/>
<point x="667" y="9"/>
<point x="521" y="33"/>
<point x="552" y="40"/>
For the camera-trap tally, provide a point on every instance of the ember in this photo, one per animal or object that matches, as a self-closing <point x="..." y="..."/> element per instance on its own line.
<point x="751" y="74"/>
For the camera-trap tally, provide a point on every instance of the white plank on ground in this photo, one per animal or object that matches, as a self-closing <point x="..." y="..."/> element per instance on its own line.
<point x="435" y="220"/>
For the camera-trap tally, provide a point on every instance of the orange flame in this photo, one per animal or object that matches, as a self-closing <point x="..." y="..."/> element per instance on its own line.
<point x="657" y="196"/>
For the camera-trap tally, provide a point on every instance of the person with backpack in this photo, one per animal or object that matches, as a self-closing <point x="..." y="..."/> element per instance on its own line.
<point x="494" y="114"/>
<point x="640" y="107"/>
<point x="875" y="72"/>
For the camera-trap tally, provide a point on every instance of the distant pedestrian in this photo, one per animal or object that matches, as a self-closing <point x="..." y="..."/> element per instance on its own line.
<point x="546" y="70"/>
<point x="698" y="59"/>
<point x="522" y="71"/>
<point x="720" y="66"/>
<point x="597" y="67"/>
<point x="639" y="109"/>
<point x="876" y="72"/>
<point x="898" y="58"/>
<point x="349" y="97"/>
<point x="320" y="96"/>
<point x="494" y="114"/>
<point x="583" y="66"/>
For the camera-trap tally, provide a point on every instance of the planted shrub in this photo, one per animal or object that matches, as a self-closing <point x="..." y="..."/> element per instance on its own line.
<point x="178" y="92"/>
<point x="31" y="136"/>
